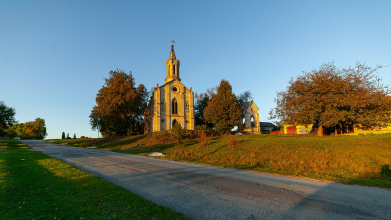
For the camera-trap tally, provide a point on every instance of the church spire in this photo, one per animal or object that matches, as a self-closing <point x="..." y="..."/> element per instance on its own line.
<point x="172" y="65"/>
<point x="172" y="54"/>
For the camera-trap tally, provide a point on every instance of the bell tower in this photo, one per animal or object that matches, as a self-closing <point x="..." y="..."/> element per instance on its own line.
<point x="172" y="65"/>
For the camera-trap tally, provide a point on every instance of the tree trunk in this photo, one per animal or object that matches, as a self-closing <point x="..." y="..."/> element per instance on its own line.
<point x="336" y="132"/>
<point x="320" y="131"/>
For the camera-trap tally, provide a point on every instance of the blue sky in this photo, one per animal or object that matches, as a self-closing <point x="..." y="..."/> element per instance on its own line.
<point x="55" y="54"/>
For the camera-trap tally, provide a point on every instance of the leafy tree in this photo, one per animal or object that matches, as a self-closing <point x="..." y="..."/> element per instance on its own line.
<point x="17" y="130"/>
<point x="41" y="127"/>
<point x="7" y="118"/>
<point x="68" y="136"/>
<point x="119" y="106"/>
<point x="31" y="130"/>
<point x="63" y="135"/>
<point x="74" y="136"/>
<point x="223" y="109"/>
<point x="202" y="101"/>
<point x="331" y="96"/>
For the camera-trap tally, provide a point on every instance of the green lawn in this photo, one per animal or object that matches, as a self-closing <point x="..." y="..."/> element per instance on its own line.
<point x="36" y="186"/>
<point x="361" y="159"/>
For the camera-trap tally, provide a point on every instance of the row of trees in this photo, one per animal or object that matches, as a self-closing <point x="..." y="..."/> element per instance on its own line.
<point x="28" y="130"/>
<point x="67" y="137"/>
<point x="10" y="127"/>
<point x="330" y="96"/>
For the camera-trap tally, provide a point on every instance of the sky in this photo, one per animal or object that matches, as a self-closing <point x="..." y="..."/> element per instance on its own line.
<point x="54" y="55"/>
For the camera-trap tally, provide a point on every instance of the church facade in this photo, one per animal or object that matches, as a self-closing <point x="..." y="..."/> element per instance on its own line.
<point x="170" y="103"/>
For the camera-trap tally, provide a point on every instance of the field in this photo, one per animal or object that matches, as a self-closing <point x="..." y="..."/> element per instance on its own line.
<point x="35" y="186"/>
<point x="362" y="159"/>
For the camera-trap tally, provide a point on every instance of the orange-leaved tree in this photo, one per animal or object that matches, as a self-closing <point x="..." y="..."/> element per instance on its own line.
<point x="223" y="109"/>
<point x="119" y="105"/>
<point x="331" y="96"/>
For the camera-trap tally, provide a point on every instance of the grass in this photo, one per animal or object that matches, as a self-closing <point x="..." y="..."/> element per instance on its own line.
<point x="361" y="159"/>
<point x="36" y="186"/>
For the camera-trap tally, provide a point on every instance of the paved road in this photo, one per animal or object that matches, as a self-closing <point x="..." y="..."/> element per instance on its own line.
<point x="205" y="192"/>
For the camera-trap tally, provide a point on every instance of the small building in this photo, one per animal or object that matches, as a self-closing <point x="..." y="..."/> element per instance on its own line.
<point x="266" y="127"/>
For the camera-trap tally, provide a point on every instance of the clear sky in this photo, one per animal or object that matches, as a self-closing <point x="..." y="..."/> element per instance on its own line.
<point x="55" y="54"/>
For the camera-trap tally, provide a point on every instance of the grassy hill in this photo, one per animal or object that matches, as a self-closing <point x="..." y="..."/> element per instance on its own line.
<point x="362" y="159"/>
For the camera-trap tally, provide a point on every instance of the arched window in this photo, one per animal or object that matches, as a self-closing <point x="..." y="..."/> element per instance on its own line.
<point x="252" y="121"/>
<point x="174" y="122"/>
<point x="174" y="107"/>
<point x="173" y="70"/>
<point x="187" y="106"/>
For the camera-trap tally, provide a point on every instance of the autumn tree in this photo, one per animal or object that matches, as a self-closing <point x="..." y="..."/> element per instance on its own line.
<point x="41" y="127"/>
<point x="7" y="118"/>
<point x="119" y="105"/>
<point x="331" y="96"/>
<point x="31" y="130"/>
<point x="223" y="109"/>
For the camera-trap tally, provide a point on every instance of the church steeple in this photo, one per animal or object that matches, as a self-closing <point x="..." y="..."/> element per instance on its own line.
<point x="172" y="65"/>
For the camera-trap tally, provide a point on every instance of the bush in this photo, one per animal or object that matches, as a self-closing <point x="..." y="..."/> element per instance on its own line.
<point x="232" y="140"/>
<point x="203" y="139"/>
<point x="385" y="170"/>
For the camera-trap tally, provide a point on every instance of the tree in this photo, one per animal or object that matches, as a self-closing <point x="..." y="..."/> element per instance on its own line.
<point x="202" y="101"/>
<point x="74" y="136"/>
<point x="7" y="118"/>
<point x="41" y="127"/>
<point x="223" y="109"/>
<point x="119" y="106"/>
<point x="63" y="135"/>
<point x="17" y="130"/>
<point x="31" y="130"/>
<point x="68" y="136"/>
<point x="331" y="96"/>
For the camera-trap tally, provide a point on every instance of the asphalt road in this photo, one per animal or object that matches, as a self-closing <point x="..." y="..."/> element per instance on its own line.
<point x="205" y="192"/>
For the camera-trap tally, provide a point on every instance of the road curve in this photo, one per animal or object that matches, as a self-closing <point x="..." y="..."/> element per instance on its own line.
<point x="206" y="192"/>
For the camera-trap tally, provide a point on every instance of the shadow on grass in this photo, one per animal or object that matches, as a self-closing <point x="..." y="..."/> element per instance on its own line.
<point x="41" y="187"/>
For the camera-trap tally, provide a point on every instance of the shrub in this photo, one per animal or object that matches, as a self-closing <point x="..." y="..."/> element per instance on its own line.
<point x="232" y="140"/>
<point x="385" y="170"/>
<point x="203" y="139"/>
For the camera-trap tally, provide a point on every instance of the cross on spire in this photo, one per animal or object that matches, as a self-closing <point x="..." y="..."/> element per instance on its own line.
<point x="173" y="41"/>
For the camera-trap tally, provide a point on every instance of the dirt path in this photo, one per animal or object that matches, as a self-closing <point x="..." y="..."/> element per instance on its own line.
<point x="205" y="192"/>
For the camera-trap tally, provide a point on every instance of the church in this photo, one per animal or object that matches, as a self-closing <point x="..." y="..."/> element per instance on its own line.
<point x="170" y="103"/>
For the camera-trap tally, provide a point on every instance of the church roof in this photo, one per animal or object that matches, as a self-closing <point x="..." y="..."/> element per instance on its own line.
<point x="172" y="81"/>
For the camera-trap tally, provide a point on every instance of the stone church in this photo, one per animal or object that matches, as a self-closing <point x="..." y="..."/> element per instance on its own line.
<point x="170" y="103"/>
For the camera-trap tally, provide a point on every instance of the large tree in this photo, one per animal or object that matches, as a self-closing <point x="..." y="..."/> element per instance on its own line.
<point x="7" y="118"/>
<point x="119" y="105"/>
<point x="223" y="109"/>
<point x="331" y="96"/>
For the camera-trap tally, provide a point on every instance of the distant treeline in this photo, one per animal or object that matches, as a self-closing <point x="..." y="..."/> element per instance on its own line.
<point x="29" y="130"/>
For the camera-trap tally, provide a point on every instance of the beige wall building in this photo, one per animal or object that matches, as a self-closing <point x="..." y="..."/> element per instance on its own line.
<point x="250" y="117"/>
<point x="170" y="103"/>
